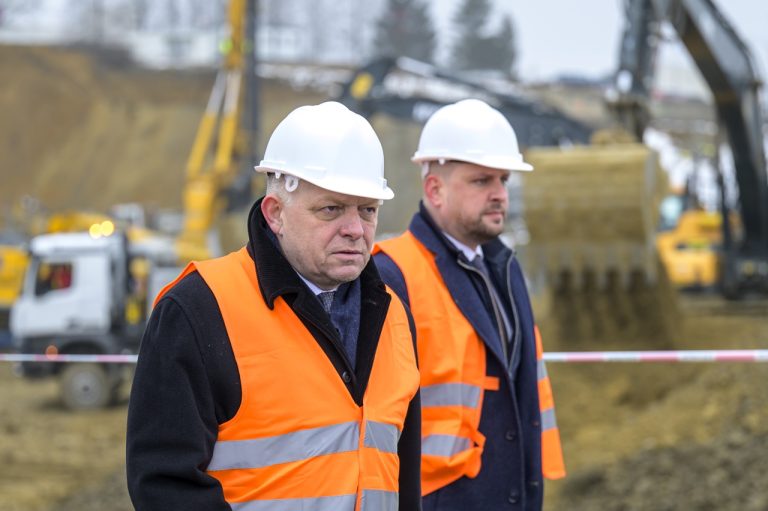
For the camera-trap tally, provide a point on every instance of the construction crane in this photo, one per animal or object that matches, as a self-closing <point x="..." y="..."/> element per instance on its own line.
<point x="220" y="163"/>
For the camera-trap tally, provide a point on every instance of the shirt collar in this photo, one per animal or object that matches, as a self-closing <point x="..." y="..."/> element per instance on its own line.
<point x="312" y="287"/>
<point x="468" y="252"/>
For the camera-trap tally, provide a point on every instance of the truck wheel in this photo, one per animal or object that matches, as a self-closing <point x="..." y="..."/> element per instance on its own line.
<point x="86" y="386"/>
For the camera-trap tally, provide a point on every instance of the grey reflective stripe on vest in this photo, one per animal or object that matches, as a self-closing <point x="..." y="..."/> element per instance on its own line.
<point x="299" y="445"/>
<point x="450" y="394"/>
<point x="444" y="445"/>
<point x="336" y="503"/>
<point x="381" y="436"/>
<point x="548" y="420"/>
<point x="541" y="370"/>
<point x="379" y="500"/>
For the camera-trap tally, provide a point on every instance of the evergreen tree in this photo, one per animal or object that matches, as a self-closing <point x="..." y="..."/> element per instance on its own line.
<point x="405" y="29"/>
<point x="470" y="44"/>
<point x="506" y="47"/>
<point x="475" y="48"/>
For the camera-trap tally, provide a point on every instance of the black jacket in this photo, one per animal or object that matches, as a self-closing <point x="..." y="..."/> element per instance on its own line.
<point x="510" y="477"/>
<point x="187" y="381"/>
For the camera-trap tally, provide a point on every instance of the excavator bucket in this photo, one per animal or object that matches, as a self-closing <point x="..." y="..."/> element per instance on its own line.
<point x="593" y="209"/>
<point x="592" y="215"/>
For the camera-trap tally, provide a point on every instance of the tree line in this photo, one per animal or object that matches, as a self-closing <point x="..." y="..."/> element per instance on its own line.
<point x="405" y="28"/>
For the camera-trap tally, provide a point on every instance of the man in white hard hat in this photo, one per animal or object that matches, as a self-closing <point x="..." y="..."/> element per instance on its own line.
<point x="283" y="376"/>
<point x="487" y="410"/>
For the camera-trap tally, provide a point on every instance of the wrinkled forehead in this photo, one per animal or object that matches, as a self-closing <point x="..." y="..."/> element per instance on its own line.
<point x="307" y="193"/>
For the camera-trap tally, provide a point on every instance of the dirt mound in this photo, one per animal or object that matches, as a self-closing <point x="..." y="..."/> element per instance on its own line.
<point x="730" y="473"/>
<point x="77" y="132"/>
<point x="47" y="453"/>
<point x="654" y="436"/>
<point x="109" y="493"/>
<point x="84" y="129"/>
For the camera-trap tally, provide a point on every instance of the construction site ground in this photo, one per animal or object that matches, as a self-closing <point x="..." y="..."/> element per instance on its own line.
<point x="636" y="436"/>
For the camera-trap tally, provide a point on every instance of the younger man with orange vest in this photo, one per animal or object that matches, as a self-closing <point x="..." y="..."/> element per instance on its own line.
<point x="487" y="409"/>
<point x="256" y="388"/>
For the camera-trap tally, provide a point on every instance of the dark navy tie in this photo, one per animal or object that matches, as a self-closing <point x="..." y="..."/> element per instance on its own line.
<point x="498" y="309"/>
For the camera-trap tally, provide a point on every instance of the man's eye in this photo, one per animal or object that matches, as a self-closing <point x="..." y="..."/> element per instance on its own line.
<point x="329" y="212"/>
<point x="368" y="213"/>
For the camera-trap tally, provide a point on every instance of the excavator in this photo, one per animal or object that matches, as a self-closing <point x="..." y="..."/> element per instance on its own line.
<point x="596" y="263"/>
<point x="728" y="251"/>
<point x="592" y="205"/>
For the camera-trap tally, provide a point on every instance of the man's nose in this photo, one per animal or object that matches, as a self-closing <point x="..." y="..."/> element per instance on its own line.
<point x="352" y="224"/>
<point x="499" y="190"/>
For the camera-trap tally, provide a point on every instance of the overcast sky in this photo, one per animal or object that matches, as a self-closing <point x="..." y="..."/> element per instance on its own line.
<point x="582" y="36"/>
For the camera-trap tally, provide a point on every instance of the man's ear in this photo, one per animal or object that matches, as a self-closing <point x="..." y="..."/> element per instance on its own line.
<point x="272" y="209"/>
<point x="433" y="187"/>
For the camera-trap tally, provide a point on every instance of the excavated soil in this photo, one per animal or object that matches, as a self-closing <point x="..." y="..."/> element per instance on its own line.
<point x="85" y="130"/>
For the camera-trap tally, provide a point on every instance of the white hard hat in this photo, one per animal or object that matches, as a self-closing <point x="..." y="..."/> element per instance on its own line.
<point x="472" y="131"/>
<point x="331" y="147"/>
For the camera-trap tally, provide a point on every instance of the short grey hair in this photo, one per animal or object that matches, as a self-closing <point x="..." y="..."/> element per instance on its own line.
<point x="277" y="187"/>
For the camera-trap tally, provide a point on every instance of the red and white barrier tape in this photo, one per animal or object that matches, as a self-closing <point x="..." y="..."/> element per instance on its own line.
<point x="102" y="359"/>
<point x="659" y="356"/>
<point x="565" y="356"/>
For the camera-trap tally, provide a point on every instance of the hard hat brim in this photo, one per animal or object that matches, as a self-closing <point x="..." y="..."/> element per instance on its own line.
<point x="355" y="188"/>
<point x="494" y="162"/>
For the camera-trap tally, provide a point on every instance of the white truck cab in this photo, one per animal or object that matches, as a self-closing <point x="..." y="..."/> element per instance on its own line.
<point x="81" y="297"/>
<point x="71" y="286"/>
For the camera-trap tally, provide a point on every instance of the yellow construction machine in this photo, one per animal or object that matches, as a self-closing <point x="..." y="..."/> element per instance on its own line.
<point x="220" y="163"/>
<point x="701" y="250"/>
<point x="13" y="263"/>
<point x="689" y="249"/>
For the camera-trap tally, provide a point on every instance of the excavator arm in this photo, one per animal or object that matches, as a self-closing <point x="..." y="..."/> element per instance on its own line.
<point x="725" y="64"/>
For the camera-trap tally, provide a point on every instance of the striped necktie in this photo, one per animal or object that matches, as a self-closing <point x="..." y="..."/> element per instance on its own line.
<point x="326" y="299"/>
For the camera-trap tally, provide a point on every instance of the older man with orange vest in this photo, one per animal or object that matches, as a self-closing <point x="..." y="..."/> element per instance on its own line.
<point x="488" y="424"/>
<point x="283" y="376"/>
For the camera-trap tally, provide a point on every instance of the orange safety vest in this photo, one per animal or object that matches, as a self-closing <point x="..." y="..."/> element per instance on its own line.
<point x="552" y="464"/>
<point x="305" y="444"/>
<point x="453" y="375"/>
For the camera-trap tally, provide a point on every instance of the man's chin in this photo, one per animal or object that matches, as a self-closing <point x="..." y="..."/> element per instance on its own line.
<point x="346" y="274"/>
<point x="491" y="230"/>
